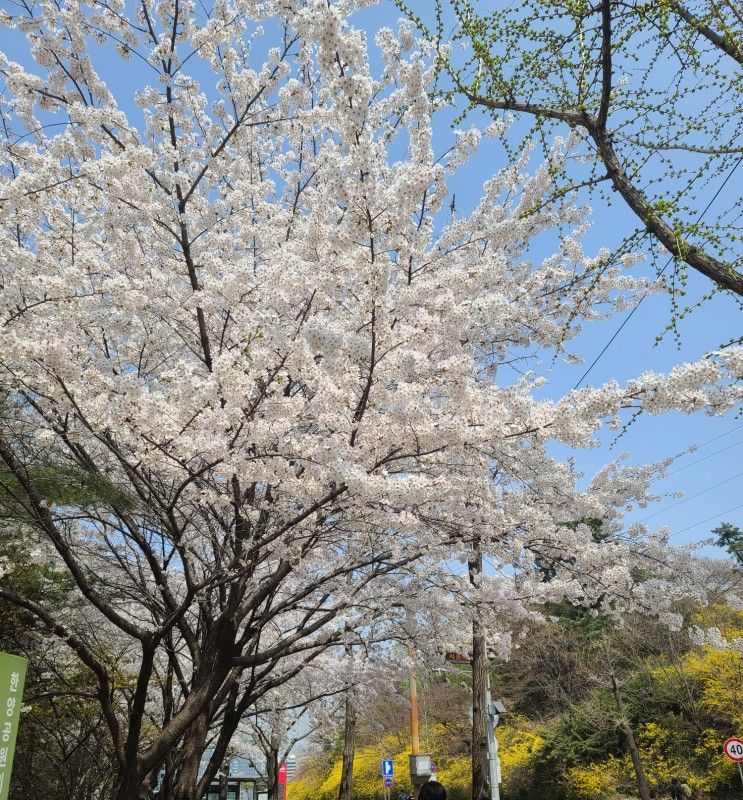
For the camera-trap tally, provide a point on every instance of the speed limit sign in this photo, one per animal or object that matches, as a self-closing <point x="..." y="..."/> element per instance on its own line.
<point x="733" y="749"/>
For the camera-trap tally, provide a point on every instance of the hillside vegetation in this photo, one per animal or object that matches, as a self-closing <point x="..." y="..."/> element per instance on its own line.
<point x="563" y="738"/>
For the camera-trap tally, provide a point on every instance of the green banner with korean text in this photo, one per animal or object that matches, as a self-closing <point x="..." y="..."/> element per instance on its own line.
<point x="12" y="676"/>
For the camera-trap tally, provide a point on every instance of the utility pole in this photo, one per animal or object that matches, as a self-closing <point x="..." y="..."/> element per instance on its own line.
<point x="494" y="711"/>
<point x="420" y="763"/>
<point x="415" y="746"/>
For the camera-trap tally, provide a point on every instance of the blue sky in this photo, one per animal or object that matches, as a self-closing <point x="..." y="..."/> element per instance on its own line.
<point x="712" y="470"/>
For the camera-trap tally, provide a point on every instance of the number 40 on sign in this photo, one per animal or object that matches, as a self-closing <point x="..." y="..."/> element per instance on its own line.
<point x="733" y="749"/>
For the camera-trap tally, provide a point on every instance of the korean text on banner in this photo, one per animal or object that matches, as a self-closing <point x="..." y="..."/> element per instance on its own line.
<point x="12" y="676"/>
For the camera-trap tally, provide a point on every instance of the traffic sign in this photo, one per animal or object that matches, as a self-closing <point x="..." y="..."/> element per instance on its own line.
<point x="387" y="781"/>
<point x="388" y="768"/>
<point x="733" y="749"/>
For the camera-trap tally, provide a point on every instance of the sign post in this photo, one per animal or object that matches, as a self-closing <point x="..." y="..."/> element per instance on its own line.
<point x="12" y="677"/>
<point x="733" y="749"/>
<point x="388" y="773"/>
<point x="282" y="776"/>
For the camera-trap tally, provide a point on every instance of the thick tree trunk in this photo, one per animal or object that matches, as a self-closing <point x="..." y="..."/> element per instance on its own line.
<point x="479" y="749"/>
<point x="133" y="790"/>
<point x="224" y="780"/>
<point x="349" y="750"/>
<point x="190" y="755"/>
<point x="272" y="774"/>
<point x="127" y="789"/>
<point x="133" y="784"/>
<point x="212" y="675"/>
<point x="624" y="723"/>
<point x="147" y="787"/>
<point x="166" y="790"/>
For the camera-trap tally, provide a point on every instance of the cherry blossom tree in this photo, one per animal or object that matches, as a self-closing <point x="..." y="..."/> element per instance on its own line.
<point x="316" y="702"/>
<point x="233" y="298"/>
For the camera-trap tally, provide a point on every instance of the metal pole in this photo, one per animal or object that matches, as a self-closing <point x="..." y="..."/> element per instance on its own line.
<point x="740" y="772"/>
<point x="415" y="744"/>
<point x="492" y="744"/>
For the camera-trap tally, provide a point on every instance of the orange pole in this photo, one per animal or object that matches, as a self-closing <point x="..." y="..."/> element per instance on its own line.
<point x="416" y="745"/>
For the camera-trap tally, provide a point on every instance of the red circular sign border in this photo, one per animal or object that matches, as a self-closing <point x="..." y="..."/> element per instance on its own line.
<point x="725" y="749"/>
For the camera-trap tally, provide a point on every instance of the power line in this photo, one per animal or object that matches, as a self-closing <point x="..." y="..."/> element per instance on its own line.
<point x="704" y="458"/>
<point x="709" y="519"/>
<point x="708" y="441"/>
<point x="703" y="491"/>
<point x="614" y="336"/>
<point x="715" y="438"/>
<point x="691" y="497"/>
<point x="645" y="294"/>
<point x="699" y="447"/>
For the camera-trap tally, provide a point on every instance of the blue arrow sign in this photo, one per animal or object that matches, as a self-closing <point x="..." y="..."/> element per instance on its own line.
<point x="388" y="768"/>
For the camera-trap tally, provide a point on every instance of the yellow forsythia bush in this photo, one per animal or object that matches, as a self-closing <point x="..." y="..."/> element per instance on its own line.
<point x="519" y="746"/>
<point x="595" y="781"/>
<point x="320" y="779"/>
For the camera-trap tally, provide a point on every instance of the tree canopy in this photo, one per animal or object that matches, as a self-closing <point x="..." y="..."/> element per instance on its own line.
<point x="650" y="89"/>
